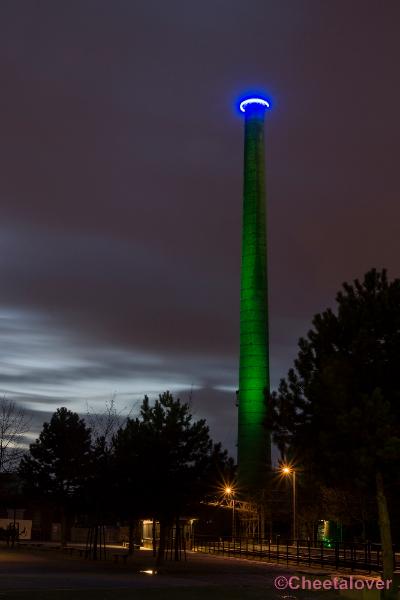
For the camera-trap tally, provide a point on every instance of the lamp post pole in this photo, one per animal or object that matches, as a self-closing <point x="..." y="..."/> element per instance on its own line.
<point x="230" y="493"/>
<point x="285" y="470"/>
<point x="294" y="505"/>
<point x="233" y="517"/>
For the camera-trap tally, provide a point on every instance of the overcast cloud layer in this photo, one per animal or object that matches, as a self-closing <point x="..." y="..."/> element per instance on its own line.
<point x="121" y="177"/>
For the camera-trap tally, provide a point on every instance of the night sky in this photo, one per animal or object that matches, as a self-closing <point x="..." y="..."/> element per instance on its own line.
<point x="121" y="187"/>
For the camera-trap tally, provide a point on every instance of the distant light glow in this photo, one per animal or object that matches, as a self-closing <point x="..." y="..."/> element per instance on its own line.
<point x="260" y="101"/>
<point x="227" y="489"/>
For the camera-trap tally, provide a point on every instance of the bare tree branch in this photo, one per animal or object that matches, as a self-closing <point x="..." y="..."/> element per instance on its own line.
<point x="13" y="426"/>
<point x="104" y="425"/>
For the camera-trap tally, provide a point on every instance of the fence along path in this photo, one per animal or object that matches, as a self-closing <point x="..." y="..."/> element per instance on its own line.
<point x="354" y="556"/>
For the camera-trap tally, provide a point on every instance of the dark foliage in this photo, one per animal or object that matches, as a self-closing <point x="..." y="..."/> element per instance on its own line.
<point x="165" y="461"/>
<point x="338" y="411"/>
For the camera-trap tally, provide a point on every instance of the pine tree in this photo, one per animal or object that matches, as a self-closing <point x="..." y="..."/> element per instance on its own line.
<point x="339" y="408"/>
<point x="59" y="462"/>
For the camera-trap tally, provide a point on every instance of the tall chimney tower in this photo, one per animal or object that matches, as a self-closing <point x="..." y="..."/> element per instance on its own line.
<point x="254" y="439"/>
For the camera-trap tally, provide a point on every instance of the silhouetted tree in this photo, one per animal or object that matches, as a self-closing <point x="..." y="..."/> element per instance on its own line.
<point x="13" y="425"/>
<point x="165" y="461"/>
<point x="339" y="408"/>
<point x="104" y="425"/>
<point x="59" y="462"/>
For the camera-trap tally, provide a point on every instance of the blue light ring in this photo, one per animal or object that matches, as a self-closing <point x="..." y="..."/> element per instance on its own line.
<point x="261" y="102"/>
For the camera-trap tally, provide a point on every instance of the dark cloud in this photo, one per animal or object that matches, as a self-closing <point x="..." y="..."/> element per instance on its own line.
<point x="121" y="174"/>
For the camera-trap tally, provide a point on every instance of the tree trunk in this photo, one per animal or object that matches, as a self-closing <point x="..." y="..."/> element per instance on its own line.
<point x="154" y="538"/>
<point x="161" y="547"/>
<point x="138" y="533"/>
<point x="384" y="528"/>
<point x="177" y="538"/>
<point x="1" y="456"/>
<point x="131" y="538"/>
<point x="63" y="528"/>
<point x="95" y="542"/>
<point x="364" y="530"/>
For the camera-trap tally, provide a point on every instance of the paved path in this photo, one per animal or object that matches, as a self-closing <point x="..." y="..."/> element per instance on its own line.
<point x="23" y="570"/>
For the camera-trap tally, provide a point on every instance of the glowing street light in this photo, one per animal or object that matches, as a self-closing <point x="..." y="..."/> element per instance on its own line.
<point x="287" y="470"/>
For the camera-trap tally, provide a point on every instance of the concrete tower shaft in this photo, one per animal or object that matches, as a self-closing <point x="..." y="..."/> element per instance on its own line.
<point x="254" y="443"/>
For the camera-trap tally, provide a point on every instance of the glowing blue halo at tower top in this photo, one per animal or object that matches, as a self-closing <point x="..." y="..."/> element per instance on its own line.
<point x="255" y="102"/>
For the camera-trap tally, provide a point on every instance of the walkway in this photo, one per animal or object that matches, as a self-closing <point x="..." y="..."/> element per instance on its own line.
<point x="50" y="575"/>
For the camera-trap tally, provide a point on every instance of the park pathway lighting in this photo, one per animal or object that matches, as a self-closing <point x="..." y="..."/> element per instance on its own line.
<point x="230" y="493"/>
<point x="287" y="470"/>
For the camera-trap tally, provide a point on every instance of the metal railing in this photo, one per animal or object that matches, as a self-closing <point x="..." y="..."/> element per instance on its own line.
<point x="339" y="555"/>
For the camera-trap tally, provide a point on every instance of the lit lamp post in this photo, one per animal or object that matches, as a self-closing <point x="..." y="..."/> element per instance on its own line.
<point x="285" y="470"/>
<point x="230" y="492"/>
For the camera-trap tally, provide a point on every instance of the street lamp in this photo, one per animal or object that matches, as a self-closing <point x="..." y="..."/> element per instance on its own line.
<point x="230" y="492"/>
<point x="287" y="470"/>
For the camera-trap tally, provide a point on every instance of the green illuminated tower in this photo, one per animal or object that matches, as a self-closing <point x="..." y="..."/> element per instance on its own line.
<point x="254" y="442"/>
